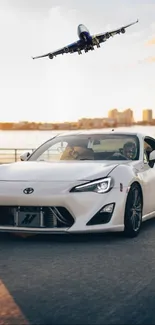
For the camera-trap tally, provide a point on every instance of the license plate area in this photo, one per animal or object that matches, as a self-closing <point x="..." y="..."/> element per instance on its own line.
<point x="28" y="217"/>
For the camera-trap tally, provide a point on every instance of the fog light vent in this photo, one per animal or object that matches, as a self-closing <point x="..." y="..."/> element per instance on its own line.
<point x="107" y="208"/>
<point x="102" y="216"/>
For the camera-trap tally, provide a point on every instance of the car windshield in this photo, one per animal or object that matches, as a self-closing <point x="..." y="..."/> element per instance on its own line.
<point x="88" y="147"/>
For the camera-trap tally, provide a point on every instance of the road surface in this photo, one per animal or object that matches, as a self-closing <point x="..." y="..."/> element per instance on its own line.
<point x="92" y="279"/>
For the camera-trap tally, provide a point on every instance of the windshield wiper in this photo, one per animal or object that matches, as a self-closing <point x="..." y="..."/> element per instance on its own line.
<point x="85" y="159"/>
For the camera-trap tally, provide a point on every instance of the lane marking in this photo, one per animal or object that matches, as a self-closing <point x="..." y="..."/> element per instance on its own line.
<point x="10" y="313"/>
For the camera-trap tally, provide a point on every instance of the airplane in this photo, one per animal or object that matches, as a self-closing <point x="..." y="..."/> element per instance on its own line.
<point x="86" y="41"/>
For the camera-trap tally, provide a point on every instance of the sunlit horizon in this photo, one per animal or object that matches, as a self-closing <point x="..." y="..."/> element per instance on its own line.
<point x="70" y="121"/>
<point x="119" y="75"/>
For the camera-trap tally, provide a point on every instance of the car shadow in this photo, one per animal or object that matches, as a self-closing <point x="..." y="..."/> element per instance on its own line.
<point x="77" y="238"/>
<point x="81" y="238"/>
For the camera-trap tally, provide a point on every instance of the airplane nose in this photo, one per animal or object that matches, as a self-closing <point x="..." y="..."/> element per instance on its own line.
<point x="79" y="27"/>
<point x="82" y="30"/>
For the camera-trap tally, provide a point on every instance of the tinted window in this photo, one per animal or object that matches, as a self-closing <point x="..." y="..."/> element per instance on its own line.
<point x="89" y="147"/>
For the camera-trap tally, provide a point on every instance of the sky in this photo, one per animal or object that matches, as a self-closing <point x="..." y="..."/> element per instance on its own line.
<point x="120" y="74"/>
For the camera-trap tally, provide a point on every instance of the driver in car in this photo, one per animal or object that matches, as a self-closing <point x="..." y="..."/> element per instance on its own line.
<point x="130" y="150"/>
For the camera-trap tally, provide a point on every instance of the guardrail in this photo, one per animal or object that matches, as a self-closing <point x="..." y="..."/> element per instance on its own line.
<point x="8" y="155"/>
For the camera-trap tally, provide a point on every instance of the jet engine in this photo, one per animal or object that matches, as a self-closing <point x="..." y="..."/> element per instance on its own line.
<point x="66" y="50"/>
<point x="107" y="35"/>
<point x="50" y="56"/>
<point x="123" y="30"/>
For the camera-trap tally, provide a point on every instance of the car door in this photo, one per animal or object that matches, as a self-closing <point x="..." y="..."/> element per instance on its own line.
<point x="148" y="177"/>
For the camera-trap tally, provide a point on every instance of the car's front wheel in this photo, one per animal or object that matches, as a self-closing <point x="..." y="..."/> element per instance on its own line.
<point x="133" y="211"/>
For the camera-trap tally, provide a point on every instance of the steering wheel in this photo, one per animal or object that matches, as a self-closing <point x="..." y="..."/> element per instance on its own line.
<point x="119" y="155"/>
<point x="124" y="157"/>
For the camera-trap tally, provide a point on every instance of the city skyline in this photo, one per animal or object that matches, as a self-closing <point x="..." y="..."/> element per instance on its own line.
<point x="119" y="74"/>
<point x="114" y="116"/>
<point x="144" y="112"/>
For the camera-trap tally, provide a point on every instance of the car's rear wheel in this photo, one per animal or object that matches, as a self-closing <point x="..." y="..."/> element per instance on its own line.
<point x="133" y="211"/>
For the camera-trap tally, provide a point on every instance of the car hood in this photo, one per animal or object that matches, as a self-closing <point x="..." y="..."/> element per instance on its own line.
<point x="55" y="171"/>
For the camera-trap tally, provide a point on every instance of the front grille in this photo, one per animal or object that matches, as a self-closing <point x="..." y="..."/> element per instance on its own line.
<point x="35" y="217"/>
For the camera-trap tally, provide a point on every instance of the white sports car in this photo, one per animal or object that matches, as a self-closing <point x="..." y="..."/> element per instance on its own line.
<point x="81" y="182"/>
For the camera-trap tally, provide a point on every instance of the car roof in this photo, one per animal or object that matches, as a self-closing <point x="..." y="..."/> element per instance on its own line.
<point x="112" y="131"/>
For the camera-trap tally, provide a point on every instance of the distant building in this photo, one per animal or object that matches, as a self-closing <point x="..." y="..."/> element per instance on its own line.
<point x="147" y="115"/>
<point x="97" y="123"/>
<point x="113" y="114"/>
<point x="122" y="118"/>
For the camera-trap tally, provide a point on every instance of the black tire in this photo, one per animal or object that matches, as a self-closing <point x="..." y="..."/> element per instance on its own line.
<point x="133" y="212"/>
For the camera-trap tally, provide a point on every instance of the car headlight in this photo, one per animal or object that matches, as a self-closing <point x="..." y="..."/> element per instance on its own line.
<point x="99" y="186"/>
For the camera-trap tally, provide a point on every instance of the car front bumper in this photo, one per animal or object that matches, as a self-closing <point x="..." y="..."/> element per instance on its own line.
<point x="82" y="207"/>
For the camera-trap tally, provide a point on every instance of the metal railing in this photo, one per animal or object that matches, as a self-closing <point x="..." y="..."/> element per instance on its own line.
<point x="8" y="155"/>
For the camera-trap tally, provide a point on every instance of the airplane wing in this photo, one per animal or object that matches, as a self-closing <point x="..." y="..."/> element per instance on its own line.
<point x="103" y="37"/>
<point x="71" y="48"/>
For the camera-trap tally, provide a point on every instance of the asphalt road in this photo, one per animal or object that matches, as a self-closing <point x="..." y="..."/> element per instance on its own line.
<point x="101" y="279"/>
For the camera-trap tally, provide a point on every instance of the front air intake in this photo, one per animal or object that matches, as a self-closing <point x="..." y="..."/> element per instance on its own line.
<point x="103" y="216"/>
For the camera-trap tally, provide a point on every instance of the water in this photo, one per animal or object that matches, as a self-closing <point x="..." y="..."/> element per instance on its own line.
<point x="32" y="139"/>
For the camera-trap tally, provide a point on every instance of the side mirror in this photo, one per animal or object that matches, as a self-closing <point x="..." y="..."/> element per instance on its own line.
<point x="24" y="156"/>
<point x="152" y="158"/>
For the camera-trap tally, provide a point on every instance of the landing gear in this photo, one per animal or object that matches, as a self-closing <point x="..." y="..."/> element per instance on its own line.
<point x="79" y="51"/>
<point x="96" y="42"/>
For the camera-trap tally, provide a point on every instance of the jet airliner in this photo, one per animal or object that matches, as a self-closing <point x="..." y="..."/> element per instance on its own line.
<point x="86" y="41"/>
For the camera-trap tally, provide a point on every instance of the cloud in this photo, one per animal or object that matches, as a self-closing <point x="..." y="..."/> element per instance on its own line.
<point x="151" y="42"/>
<point x="150" y="59"/>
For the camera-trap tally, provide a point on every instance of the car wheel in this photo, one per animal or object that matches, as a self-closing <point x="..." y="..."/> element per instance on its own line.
<point x="133" y="212"/>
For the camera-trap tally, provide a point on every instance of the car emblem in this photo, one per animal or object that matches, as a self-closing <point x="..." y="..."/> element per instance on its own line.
<point x="28" y="190"/>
